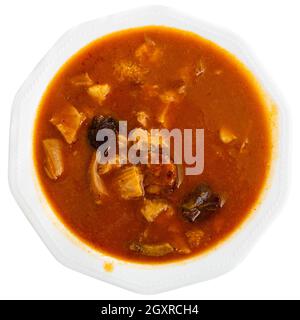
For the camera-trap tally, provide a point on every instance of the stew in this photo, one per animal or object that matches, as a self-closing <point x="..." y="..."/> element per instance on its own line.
<point x="152" y="77"/>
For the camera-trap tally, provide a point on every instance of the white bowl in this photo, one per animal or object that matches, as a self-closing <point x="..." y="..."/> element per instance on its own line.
<point x="68" y="249"/>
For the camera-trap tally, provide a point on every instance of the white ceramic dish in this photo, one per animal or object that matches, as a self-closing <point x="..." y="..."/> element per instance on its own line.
<point x="61" y="242"/>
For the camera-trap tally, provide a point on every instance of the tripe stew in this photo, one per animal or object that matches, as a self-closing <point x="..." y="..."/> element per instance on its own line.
<point x="152" y="77"/>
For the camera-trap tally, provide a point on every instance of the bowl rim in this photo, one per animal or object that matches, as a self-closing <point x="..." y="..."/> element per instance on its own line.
<point x="71" y="252"/>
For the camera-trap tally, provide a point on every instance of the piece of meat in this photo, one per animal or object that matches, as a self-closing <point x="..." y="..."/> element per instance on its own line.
<point x="54" y="164"/>
<point x="148" y="52"/>
<point x="99" y="92"/>
<point x="152" y="250"/>
<point x="160" y="179"/>
<point x="82" y="80"/>
<point x="68" y="121"/>
<point x="129" y="71"/>
<point x="130" y="183"/>
<point x="153" y="208"/>
<point x="96" y="183"/>
<point x="226" y="135"/>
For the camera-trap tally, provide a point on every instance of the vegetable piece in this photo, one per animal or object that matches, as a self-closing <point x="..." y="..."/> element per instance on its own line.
<point x="96" y="183"/>
<point x="142" y="118"/>
<point x="160" y="179"/>
<point x="54" y="165"/>
<point x="194" y="237"/>
<point x="99" y="92"/>
<point x="130" y="183"/>
<point x="153" y="208"/>
<point x="130" y="71"/>
<point x="82" y="80"/>
<point x="200" y="203"/>
<point x="99" y="123"/>
<point x="152" y="250"/>
<point x="148" y="52"/>
<point x="68" y="121"/>
<point x="226" y="135"/>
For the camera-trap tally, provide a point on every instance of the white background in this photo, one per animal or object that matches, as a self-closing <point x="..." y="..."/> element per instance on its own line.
<point x="271" y="28"/>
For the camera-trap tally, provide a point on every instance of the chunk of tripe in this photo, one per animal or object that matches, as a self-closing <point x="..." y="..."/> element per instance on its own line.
<point x="54" y="165"/>
<point x="130" y="183"/>
<point x="129" y="71"/>
<point x="153" y="208"/>
<point x="152" y="250"/>
<point x="226" y="135"/>
<point x="99" y="92"/>
<point x="68" y="121"/>
<point x="148" y="52"/>
<point x="96" y="183"/>
<point x="82" y="79"/>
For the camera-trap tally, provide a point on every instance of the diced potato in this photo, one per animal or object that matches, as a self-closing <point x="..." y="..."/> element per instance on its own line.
<point x="54" y="165"/>
<point x="152" y="250"/>
<point x="142" y="118"/>
<point x="226" y="135"/>
<point x="194" y="237"/>
<point x="148" y="52"/>
<point x="96" y="183"/>
<point x="99" y="92"/>
<point x="130" y="183"/>
<point x="82" y="79"/>
<point x="130" y="71"/>
<point x="68" y="121"/>
<point x="153" y="208"/>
